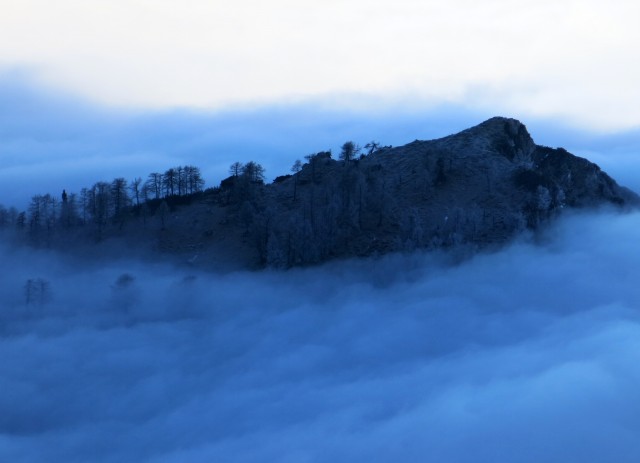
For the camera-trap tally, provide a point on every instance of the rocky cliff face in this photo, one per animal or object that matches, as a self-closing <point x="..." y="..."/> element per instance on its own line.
<point x="479" y="187"/>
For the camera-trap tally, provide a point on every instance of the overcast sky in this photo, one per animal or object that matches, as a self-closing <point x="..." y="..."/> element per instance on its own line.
<point x="568" y="59"/>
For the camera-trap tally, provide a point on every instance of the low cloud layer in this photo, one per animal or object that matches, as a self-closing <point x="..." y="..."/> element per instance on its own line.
<point x="524" y="355"/>
<point x="52" y="142"/>
<point x="49" y="142"/>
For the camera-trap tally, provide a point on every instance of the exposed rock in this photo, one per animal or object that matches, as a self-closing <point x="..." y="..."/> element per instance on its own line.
<point x="479" y="187"/>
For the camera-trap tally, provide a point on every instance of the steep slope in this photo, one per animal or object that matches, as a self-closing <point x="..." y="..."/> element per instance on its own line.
<point x="478" y="187"/>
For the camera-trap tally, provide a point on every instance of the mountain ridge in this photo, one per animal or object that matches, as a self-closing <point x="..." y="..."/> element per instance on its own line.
<point x="477" y="188"/>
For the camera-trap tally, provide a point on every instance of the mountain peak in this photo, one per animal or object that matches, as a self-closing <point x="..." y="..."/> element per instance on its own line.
<point x="477" y="188"/>
<point x="499" y="135"/>
<point x="502" y="121"/>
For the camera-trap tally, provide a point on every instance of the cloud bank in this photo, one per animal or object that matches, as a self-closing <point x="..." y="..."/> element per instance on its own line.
<point x="50" y="142"/>
<point x="524" y="355"/>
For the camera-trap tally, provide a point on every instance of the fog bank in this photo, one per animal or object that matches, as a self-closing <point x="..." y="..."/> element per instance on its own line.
<point x="524" y="355"/>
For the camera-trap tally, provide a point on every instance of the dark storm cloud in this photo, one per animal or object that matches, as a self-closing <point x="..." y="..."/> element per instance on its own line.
<point x="524" y="355"/>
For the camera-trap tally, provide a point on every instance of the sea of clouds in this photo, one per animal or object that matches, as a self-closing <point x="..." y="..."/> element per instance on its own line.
<point x="528" y="354"/>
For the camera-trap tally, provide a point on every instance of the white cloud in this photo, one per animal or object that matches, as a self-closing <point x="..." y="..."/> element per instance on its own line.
<point x="567" y="59"/>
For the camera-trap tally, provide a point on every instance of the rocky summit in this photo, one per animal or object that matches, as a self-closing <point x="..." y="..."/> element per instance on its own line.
<point x="479" y="187"/>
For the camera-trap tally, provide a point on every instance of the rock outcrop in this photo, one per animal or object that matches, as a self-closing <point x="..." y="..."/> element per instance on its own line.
<point x="479" y="187"/>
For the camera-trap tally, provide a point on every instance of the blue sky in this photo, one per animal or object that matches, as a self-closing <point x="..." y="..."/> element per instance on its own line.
<point x="93" y="90"/>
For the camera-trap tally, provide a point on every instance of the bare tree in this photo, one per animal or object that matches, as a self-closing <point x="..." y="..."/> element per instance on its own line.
<point x="100" y="207"/>
<point x="21" y="220"/>
<point x="349" y="151"/>
<point x="181" y="181"/>
<point x="42" y="215"/>
<point x="8" y="217"/>
<point x="36" y="213"/>
<point x="135" y="188"/>
<point x="154" y="185"/>
<point x="195" y="183"/>
<point x="170" y="182"/>
<point x="372" y="147"/>
<point x="253" y="172"/>
<point x="119" y="197"/>
<point x="69" y="210"/>
<point x="236" y="169"/>
<point x="85" y="204"/>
